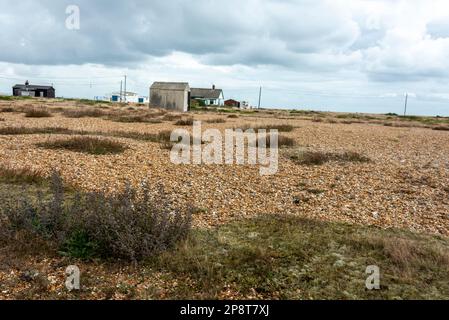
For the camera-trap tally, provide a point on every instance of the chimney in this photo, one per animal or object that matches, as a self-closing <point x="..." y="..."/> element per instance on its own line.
<point x="213" y="87"/>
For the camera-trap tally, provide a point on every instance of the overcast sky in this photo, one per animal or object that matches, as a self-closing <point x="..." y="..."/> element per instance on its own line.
<point x="350" y="55"/>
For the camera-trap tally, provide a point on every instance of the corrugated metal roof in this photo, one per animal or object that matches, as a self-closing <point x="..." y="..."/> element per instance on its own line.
<point x="182" y="86"/>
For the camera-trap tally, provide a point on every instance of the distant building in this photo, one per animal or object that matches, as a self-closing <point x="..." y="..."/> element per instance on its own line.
<point x="245" y="105"/>
<point x="130" y="97"/>
<point x="170" y="95"/>
<point x="29" y="90"/>
<point x="232" y="103"/>
<point x="208" y="97"/>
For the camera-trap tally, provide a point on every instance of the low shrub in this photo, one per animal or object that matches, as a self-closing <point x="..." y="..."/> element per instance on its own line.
<point x="319" y="157"/>
<point x="130" y="225"/>
<point x="38" y="113"/>
<point x="90" y="145"/>
<point x="7" y="110"/>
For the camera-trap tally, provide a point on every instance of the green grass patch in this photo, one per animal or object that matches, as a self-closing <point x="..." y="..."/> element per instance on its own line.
<point x="285" y="257"/>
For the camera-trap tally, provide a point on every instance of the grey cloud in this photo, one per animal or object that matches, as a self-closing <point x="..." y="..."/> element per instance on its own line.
<point x="231" y="32"/>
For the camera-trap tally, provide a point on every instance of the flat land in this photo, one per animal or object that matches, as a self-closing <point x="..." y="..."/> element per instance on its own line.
<point x="308" y="231"/>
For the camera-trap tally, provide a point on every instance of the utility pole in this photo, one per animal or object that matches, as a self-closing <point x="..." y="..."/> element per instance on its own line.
<point x="125" y="88"/>
<point x="260" y="97"/>
<point x="405" y="107"/>
<point x="121" y="88"/>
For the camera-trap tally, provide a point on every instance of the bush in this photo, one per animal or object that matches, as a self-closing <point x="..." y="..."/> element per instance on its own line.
<point x="129" y="225"/>
<point x="90" y="145"/>
<point x="7" y="109"/>
<point x="38" y="113"/>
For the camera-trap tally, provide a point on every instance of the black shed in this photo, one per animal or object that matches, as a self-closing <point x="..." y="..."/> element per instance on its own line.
<point x="31" y="90"/>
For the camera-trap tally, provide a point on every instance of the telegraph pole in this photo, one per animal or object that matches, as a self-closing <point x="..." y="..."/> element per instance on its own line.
<point x="405" y="106"/>
<point x="125" y="88"/>
<point x="121" y="88"/>
<point x="260" y="97"/>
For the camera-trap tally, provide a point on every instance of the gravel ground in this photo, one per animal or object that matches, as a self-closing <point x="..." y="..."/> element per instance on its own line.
<point x="405" y="186"/>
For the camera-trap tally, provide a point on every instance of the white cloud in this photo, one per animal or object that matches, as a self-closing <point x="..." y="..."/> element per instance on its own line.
<point x="296" y="49"/>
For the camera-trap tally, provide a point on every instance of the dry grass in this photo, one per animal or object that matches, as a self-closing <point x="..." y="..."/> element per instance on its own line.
<point x="268" y="127"/>
<point x="90" y="145"/>
<point x="162" y="137"/>
<point x="284" y="141"/>
<point x="185" y="122"/>
<point x="441" y="128"/>
<point x="172" y="117"/>
<point x="409" y="256"/>
<point x="25" y="130"/>
<point x="38" y="113"/>
<point x="217" y="120"/>
<point x="85" y="113"/>
<point x="21" y="175"/>
<point x="320" y="157"/>
<point x="139" y="117"/>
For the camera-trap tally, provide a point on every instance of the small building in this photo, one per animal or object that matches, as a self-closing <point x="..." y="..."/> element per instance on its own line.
<point x="131" y="97"/>
<point x="29" y="90"/>
<point x="170" y="95"/>
<point x="232" y="103"/>
<point x="208" y="97"/>
<point x="245" y="105"/>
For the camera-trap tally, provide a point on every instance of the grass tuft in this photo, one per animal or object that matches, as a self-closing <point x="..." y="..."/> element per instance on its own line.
<point x="89" y="145"/>
<point x="84" y="113"/>
<point x="185" y="122"/>
<point x="320" y="157"/>
<point x="38" y="113"/>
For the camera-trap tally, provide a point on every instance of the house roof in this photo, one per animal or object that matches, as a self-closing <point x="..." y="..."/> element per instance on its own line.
<point x="32" y="87"/>
<point x="181" y="86"/>
<point x="206" y="93"/>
